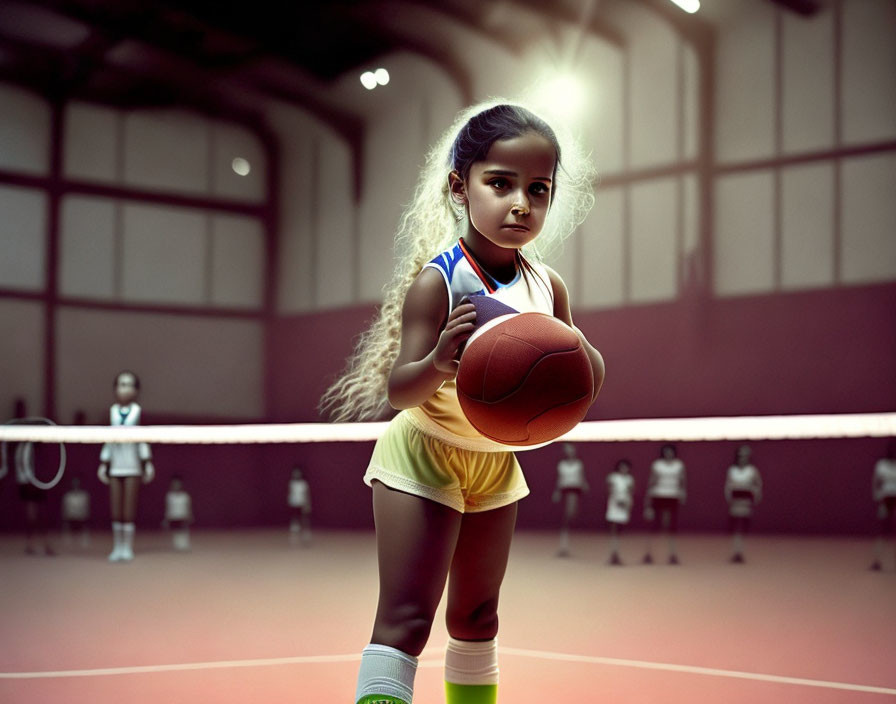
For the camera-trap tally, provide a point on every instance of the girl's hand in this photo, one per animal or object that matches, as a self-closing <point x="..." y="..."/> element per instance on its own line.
<point x="458" y="328"/>
<point x="103" y="473"/>
<point x="431" y="336"/>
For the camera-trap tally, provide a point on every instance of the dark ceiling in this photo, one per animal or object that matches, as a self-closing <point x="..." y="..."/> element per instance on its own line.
<point x="129" y="52"/>
<point x="176" y="52"/>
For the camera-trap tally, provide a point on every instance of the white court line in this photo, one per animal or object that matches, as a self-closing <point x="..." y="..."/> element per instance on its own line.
<point x="619" y="662"/>
<point x="537" y="654"/>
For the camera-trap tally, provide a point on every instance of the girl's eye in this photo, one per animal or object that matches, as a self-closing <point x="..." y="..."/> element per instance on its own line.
<point x="539" y="189"/>
<point x="499" y="183"/>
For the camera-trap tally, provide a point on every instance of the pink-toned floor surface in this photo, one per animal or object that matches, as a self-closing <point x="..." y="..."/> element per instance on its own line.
<point x="247" y="617"/>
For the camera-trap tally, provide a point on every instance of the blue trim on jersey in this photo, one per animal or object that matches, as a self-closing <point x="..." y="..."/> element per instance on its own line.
<point x="446" y="261"/>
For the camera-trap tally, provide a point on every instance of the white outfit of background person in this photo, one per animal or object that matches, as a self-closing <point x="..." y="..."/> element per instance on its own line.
<point x="883" y="492"/>
<point x="76" y="513"/>
<point x="620" y="499"/>
<point x="299" y="502"/>
<point x="743" y="490"/>
<point x="125" y="459"/>
<point x="571" y="483"/>
<point x="178" y="515"/>
<point x="666" y="492"/>
<point x="621" y="489"/>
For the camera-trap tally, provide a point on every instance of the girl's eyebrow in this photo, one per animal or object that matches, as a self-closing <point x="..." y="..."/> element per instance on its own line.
<point x="503" y="172"/>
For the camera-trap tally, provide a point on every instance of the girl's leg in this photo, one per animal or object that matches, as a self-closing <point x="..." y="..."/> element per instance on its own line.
<point x="131" y="485"/>
<point x="415" y="542"/>
<point x="570" y="511"/>
<point x="116" y="498"/>
<point x="306" y="526"/>
<point x="655" y="524"/>
<point x="614" y="544"/>
<point x="31" y="522"/>
<point x="671" y="523"/>
<point x="477" y="571"/>
<point x="294" y="524"/>
<point x="884" y="518"/>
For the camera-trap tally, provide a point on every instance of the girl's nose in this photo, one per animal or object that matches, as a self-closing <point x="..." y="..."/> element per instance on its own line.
<point x="521" y="207"/>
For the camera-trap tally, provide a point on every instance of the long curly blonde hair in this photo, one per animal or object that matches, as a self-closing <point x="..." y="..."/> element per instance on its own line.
<point x="432" y="223"/>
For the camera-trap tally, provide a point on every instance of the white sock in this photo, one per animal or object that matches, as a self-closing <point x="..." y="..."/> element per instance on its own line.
<point x="117" y="534"/>
<point x="182" y="540"/>
<point x="471" y="662"/>
<point x="127" y="535"/>
<point x="386" y="671"/>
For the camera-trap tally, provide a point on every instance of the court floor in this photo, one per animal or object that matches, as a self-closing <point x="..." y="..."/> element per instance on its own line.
<point x="247" y="617"/>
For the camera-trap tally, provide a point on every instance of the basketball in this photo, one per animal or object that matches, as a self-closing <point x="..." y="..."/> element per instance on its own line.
<point x="524" y="379"/>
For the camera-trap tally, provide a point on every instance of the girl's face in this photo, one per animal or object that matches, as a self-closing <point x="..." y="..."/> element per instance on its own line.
<point x="509" y="192"/>
<point x="125" y="389"/>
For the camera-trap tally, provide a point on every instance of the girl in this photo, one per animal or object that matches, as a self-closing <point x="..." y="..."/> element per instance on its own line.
<point x="666" y="492"/>
<point x="743" y="490"/>
<point x="76" y="513"/>
<point x="122" y="465"/>
<point x="884" y="493"/>
<point x="299" y="500"/>
<point x="571" y="483"/>
<point x="34" y="499"/>
<point x="178" y="513"/>
<point x="620" y="489"/>
<point x="444" y="497"/>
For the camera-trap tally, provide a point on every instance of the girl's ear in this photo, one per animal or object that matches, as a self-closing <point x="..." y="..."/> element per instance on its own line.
<point x="456" y="188"/>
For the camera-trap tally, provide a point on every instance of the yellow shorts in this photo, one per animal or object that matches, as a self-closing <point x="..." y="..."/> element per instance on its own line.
<point x="407" y="459"/>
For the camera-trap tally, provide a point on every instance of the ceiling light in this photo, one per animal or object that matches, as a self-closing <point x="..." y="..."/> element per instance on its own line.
<point x="382" y="76"/>
<point x="688" y="5"/>
<point x="240" y="166"/>
<point x="368" y="80"/>
<point x="563" y="96"/>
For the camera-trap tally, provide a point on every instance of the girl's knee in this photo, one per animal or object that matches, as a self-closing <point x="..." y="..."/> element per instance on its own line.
<point x="478" y="623"/>
<point x="405" y="632"/>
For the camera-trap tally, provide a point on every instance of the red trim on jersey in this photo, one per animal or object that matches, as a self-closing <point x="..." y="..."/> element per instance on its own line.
<point x="473" y="263"/>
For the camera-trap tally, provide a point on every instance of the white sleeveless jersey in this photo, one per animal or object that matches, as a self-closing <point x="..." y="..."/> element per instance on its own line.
<point x="463" y="277"/>
<point x="530" y="291"/>
<point x="178" y="506"/>
<point x="570" y="474"/>
<point x="125" y="459"/>
<point x="76" y="505"/>
<point x="299" y="494"/>
<point x="619" y="501"/>
<point x="885" y="476"/>
<point x="668" y="478"/>
<point x="621" y="486"/>
<point x="743" y="478"/>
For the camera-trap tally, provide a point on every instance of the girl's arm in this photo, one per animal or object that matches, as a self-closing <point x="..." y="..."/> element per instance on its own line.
<point x="561" y="311"/>
<point x="430" y="339"/>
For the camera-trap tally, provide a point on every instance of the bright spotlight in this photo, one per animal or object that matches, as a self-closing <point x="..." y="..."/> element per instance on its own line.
<point x="240" y="166"/>
<point x="688" y="5"/>
<point x="368" y="80"/>
<point x="382" y="76"/>
<point x="561" y="95"/>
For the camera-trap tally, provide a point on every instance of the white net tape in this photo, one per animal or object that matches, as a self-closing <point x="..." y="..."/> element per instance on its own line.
<point x="790" y="427"/>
